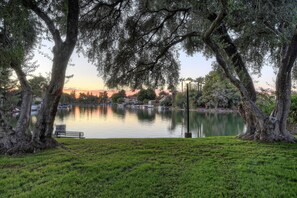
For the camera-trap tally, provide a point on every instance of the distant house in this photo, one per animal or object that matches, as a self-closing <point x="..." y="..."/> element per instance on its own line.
<point x="131" y="100"/>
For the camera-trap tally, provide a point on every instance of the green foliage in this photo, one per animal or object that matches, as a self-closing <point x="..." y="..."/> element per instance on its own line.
<point x="18" y="32"/>
<point x="145" y="101"/>
<point x="125" y="52"/>
<point x="266" y="101"/>
<point x="136" y="44"/>
<point x="167" y="102"/>
<point x="219" y="92"/>
<point x="87" y="99"/>
<point x="118" y="97"/>
<point x="38" y="85"/>
<point x="210" y="167"/>
<point x="103" y="97"/>
<point x="120" y="100"/>
<point x="180" y="100"/>
<point x="293" y="110"/>
<point x="146" y="94"/>
<point x="67" y="98"/>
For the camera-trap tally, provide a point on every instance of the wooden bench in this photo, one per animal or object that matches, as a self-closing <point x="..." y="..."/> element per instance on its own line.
<point x="61" y="132"/>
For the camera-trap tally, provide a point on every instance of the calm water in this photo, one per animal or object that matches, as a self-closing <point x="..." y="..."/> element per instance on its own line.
<point x="113" y="122"/>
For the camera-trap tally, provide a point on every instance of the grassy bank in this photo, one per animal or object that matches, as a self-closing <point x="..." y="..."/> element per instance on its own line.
<point x="210" y="167"/>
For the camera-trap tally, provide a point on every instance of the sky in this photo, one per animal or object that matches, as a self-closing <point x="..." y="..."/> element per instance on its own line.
<point x="86" y="75"/>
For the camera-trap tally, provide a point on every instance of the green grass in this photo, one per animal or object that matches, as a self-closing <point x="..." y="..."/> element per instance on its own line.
<point x="209" y="167"/>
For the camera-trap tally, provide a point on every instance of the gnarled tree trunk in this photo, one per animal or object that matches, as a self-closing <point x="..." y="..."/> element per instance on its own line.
<point x="18" y="140"/>
<point x="259" y="126"/>
<point x="43" y="130"/>
<point x="42" y="134"/>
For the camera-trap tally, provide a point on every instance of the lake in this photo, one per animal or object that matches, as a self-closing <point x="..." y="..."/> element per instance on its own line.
<point x="115" y="122"/>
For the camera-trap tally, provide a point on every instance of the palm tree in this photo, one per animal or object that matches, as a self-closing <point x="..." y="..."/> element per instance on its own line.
<point x="190" y="81"/>
<point x="200" y="81"/>
<point x="182" y="83"/>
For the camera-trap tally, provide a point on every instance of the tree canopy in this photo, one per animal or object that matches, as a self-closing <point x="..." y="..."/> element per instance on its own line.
<point x="135" y="43"/>
<point x="242" y="36"/>
<point x="219" y="92"/>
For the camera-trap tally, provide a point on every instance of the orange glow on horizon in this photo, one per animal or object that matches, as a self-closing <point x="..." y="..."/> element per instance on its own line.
<point x="97" y="92"/>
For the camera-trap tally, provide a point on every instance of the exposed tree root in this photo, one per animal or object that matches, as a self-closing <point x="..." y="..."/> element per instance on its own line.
<point x="10" y="144"/>
<point x="268" y="137"/>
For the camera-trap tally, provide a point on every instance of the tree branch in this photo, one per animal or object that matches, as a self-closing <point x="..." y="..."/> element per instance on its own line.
<point x="220" y="59"/>
<point x="49" y="23"/>
<point x="291" y="54"/>
<point x="163" y="52"/>
<point x="230" y="49"/>
<point x="216" y="23"/>
<point x="72" y="21"/>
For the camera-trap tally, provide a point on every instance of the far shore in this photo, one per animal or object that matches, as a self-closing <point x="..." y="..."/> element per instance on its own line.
<point x="205" y="110"/>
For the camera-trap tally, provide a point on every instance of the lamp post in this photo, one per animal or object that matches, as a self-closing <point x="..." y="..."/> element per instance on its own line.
<point x="187" y="133"/>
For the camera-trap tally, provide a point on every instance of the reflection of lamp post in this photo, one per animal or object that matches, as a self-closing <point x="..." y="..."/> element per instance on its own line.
<point x="187" y="133"/>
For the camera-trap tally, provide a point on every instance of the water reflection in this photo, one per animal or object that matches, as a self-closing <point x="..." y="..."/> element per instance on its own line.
<point x="113" y="122"/>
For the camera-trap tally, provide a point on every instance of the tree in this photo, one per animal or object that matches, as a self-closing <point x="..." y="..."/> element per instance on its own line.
<point x="146" y="94"/>
<point x="238" y="34"/>
<point x="65" y="25"/>
<point x="219" y="92"/>
<point x="189" y="80"/>
<point x="182" y="84"/>
<point x="67" y="98"/>
<point x="17" y="39"/>
<point x="266" y="100"/>
<point x="200" y="82"/>
<point x="38" y="84"/>
<point x="64" y="32"/>
<point x="118" y="97"/>
<point x="103" y="97"/>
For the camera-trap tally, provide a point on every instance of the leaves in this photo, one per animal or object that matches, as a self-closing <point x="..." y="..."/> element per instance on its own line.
<point x="219" y="92"/>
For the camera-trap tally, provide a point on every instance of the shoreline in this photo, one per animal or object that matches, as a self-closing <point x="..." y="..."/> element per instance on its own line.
<point x="204" y="110"/>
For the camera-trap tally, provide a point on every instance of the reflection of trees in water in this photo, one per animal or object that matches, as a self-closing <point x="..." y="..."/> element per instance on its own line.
<point x="146" y="115"/>
<point x="209" y="124"/>
<point x="165" y="115"/>
<point x="61" y="114"/>
<point x="120" y="112"/>
<point x="201" y="124"/>
<point x="143" y="115"/>
<point x="88" y="111"/>
<point x="177" y="118"/>
<point x="103" y="110"/>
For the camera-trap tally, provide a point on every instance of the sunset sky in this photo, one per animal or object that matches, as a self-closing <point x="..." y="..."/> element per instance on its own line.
<point x="86" y="76"/>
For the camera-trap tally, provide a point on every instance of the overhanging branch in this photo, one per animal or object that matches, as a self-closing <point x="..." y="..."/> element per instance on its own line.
<point x="163" y="52"/>
<point x="49" y="23"/>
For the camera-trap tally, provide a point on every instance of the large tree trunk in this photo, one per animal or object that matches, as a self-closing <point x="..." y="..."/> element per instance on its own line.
<point x="265" y="128"/>
<point x="275" y="128"/>
<point x="42" y="135"/>
<point x="17" y="140"/>
<point x="260" y="127"/>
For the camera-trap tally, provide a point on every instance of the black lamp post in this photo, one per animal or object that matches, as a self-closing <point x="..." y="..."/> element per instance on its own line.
<point x="187" y="133"/>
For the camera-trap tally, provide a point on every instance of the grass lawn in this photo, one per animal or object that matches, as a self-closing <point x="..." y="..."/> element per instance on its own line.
<point x="207" y="167"/>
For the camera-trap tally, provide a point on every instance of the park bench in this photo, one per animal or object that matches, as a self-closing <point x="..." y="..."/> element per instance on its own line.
<point x="61" y="132"/>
